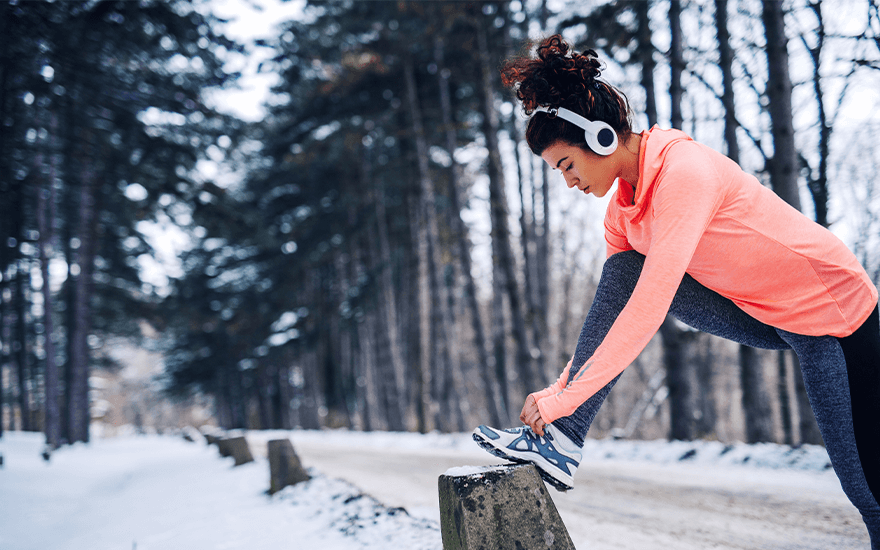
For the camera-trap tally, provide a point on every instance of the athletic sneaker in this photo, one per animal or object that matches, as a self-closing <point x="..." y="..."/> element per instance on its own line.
<point x="556" y="456"/>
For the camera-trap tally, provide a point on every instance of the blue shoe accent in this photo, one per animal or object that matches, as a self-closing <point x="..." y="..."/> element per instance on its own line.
<point x="556" y="457"/>
<point x="544" y="447"/>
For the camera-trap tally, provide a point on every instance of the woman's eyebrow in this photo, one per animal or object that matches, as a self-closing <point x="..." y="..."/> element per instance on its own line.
<point x="560" y="162"/>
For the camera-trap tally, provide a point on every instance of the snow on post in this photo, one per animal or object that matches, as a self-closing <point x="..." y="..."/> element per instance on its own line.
<point x="284" y="466"/>
<point x="505" y="506"/>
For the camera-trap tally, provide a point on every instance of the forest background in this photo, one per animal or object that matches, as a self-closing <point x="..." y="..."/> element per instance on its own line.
<point x="376" y="248"/>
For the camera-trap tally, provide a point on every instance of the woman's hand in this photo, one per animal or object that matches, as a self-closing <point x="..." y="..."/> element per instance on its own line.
<point x="531" y="416"/>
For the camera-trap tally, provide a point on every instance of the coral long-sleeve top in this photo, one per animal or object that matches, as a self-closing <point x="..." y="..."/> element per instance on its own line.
<point x="695" y="211"/>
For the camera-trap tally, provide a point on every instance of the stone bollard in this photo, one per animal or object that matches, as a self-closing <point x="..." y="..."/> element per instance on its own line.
<point x="191" y="434"/>
<point x="223" y="446"/>
<point x="211" y="433"/>
<point x="284" y="466"/>
<point x="237" y="448"/>
<point x="499" y="507"/>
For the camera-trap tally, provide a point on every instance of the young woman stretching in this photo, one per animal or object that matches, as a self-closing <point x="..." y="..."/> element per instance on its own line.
<point x="689" y="233"/>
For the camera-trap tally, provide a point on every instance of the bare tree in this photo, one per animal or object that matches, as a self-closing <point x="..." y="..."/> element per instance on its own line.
<point x="46" y="215"/>
<point x="389" y="297"/>
<point x="451" y="364"/>
<point x="501" y="246"/>
<point x="496" y="403"/>
<point x="83" y="260"/>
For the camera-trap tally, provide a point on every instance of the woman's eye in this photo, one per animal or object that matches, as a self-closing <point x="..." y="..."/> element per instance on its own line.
<point x="567" y="168"/>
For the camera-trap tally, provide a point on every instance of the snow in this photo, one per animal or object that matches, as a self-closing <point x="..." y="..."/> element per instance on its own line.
<point x="471" y="471"/>
<point x="162" y="492"/>
<point x="154" y="492"/>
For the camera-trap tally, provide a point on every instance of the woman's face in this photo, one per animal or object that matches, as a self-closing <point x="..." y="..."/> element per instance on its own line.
<point x="584" y="170"/>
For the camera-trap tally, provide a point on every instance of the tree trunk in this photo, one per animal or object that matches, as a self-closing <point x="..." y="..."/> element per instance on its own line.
<point x="755" y="400"/>
<point x="4" y="335"/>
<point x="808" y="428"/>
<point x="309" y="416"/>
<point x="676" y="63"/>
<point x="372" y="398"/>
<point x="785" y="412"/>
<point x="84" y="258"/>
<point x="285" y="395"/>
<point x="707" y="420"/>
<point x="783" y="164"/>
<point x="725" y="55"/>
<point x="393" y="391"/>
<point x="389" y="296"/>
<point x="645" y="54"/>
<point x="446" y="347"/>
<point x="678" y="379"/>
<point x="262" y="392"/>
<point x="69" y="204"/>
<point x="527" y="239"/>
<point x="502" y="253"/>
<point x="46" y="213"/>
<point x="819" y="185"/>
<point x="19" y="334"/>
<point x="389" y="304"/>
<point x="542" y="260"/>
<point x="5" y="179"/>
<point x="496" y="404"/>
<point x="420" y="235"/>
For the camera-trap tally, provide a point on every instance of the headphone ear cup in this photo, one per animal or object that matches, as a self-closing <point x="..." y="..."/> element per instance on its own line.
<point x="601" y="138"/>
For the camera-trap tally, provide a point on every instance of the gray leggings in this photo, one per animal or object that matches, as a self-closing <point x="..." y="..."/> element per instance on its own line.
<point x="848" y="419"/>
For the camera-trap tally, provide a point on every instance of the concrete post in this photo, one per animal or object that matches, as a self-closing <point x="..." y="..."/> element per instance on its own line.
<point x="236" y="447"/>
<point x="499" y="507"/>
<point x="284" y="465"/>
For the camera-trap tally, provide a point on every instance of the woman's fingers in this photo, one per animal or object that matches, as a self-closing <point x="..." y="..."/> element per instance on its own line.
<point x="531" y="416"/>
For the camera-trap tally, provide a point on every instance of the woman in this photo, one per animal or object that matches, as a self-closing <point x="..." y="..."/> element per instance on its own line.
<point x="689" y="233"/>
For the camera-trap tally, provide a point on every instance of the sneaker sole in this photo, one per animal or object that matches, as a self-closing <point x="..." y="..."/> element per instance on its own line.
<point x="555" y="483"/>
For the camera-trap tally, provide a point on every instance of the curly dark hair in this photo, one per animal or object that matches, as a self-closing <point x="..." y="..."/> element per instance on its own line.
<point x="561" y="77"/>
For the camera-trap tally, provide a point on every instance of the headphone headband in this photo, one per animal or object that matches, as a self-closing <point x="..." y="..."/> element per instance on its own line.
<point x="600" y="136"/>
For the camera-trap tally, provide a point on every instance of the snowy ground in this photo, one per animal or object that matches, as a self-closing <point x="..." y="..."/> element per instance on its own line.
<point x="379" y="490"/>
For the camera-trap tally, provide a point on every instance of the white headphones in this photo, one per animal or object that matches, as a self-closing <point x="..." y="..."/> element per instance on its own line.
<point x="600" y="136"/>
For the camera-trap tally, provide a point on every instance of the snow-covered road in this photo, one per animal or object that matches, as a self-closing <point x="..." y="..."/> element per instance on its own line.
<point x="162" y="493"/>
<point x="624" y="504"/>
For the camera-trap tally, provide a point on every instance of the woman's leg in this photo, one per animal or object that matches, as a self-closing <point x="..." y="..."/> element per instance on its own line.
<point x="827" y="370"/>
<point x="693" y="304"/>
<point x="862" y="352"/>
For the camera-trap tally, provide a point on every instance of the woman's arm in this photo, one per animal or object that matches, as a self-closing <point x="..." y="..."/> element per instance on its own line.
<point x="555" y="387"/>
<point x="684" y="202"/>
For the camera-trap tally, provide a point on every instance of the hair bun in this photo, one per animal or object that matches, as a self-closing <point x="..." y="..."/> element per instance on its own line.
<point x="557" y="77"/>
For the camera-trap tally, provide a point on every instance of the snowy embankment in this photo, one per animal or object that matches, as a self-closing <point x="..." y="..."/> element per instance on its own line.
<point x="153" y="492"/>
<point x="157" y="492"/>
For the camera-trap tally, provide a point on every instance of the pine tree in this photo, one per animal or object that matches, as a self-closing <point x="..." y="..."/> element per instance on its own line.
<point x="100" y="81"/>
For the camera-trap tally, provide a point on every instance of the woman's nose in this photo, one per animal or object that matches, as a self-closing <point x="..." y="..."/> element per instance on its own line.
<point x="570" y="181"/>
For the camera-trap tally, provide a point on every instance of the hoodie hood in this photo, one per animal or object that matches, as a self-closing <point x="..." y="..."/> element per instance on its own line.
<point x="652" y="154"/>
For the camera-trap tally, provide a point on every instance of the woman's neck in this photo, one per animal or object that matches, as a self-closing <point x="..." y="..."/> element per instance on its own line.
<point x="630" y="159"/>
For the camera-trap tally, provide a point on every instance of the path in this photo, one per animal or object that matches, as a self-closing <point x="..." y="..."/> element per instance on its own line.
<point x="630" y="505"/>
